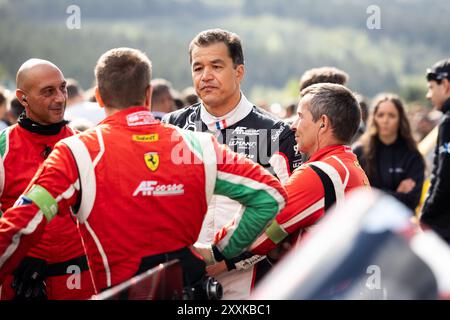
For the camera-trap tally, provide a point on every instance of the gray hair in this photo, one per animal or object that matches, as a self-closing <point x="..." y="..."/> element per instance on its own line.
<point x="339" y="104"/>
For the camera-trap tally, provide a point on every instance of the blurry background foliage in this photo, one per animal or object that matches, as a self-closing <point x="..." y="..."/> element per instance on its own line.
<point x="282" y="39"/>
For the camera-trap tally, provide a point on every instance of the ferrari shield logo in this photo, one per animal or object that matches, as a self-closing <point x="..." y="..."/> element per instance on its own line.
<point x="152" y="160"/>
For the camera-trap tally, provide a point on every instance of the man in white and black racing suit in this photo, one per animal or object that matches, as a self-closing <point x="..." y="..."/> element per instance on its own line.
<point x="217" y="66"/>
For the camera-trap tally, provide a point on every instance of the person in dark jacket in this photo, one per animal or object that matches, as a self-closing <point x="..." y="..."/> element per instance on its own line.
<point x="436" y="210"/>
<point x="388" y="152"/>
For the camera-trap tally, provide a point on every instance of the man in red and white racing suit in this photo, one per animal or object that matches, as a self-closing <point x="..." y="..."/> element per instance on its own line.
<point x="23" y="147"/>
<point x="309" y="196"/>
<point x="139" y="189"/>
<point x="331" y="171"/>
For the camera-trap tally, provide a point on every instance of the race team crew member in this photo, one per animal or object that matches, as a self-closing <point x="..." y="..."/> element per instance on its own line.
<point x="328" y="117"/>
<point x="217" y="63"/>
<point x="139" y="189"/>
<point x="23" y="147"/>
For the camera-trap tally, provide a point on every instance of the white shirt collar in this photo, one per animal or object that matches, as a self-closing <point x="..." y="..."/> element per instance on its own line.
<point x="214" y="123"/>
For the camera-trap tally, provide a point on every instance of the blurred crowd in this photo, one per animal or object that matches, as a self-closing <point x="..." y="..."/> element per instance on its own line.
<point x="83" y="112"/>
<point x="295" y="163"/>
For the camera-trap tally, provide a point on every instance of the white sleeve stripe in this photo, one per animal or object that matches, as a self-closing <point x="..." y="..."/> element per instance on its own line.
<point x="86" y="174"/>
<point x="304" y="214"/>
<point x="87" y="181"/>
<point x="30" y="228"/>
<point x="236" y="179"/>
<point x="209" y="164"/>
<point x="335" y="179"/>
<point x="230" y="231"/>
<point x="347" y="173"/>
<point x="102" y="253"/>
<point x="68" y="193"/>
<point x="280" y="166"/>
<point x="102" y="147"/>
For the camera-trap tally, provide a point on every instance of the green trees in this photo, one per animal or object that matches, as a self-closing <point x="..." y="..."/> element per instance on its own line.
<point x="281" y="38"/>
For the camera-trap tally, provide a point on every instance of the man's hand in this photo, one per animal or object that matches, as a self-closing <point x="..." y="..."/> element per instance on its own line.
<point x="406" y="185"/>
<point x="29" y="279"/>
<point x="216" y="269"/>
<point x="280" y="251"/>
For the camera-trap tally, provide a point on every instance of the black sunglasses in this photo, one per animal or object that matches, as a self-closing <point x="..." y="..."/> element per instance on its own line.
<point x="436" y="76"/>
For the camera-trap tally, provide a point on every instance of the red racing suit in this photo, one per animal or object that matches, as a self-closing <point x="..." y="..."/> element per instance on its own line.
<point x="22" y="152"/>
<point x="139" y="188"/>
<point x="328" y="175"/>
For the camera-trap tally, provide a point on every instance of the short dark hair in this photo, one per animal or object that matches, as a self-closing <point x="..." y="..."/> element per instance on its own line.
<point x="323" y="75"/>
<point x="212" y="36"/>
<point x="123" y="76"/>
<point x="339" y="104"/>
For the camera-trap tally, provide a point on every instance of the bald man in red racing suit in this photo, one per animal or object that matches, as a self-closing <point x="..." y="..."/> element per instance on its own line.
<point x="58" y="259"/>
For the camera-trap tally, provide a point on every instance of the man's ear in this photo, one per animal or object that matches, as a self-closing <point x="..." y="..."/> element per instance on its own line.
<point x="325" y="121"/>
<point x="22" y="97"/>
<point x="240" y="71"/>
<point x="98" y="97"/>
<point x="446" y="83"/>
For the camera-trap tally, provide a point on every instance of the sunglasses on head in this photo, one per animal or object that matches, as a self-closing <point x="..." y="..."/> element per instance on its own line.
<point x="436" y="76"/>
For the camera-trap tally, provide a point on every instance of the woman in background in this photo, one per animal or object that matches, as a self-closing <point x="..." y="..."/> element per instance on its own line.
<point x="388" y="152"/>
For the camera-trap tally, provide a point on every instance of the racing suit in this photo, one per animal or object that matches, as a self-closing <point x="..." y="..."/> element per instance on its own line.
<point x="139" y="189"/>
<point x="23" y="147"/>
<point x="319" y="183"/>
<point x="260" y="137"/>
